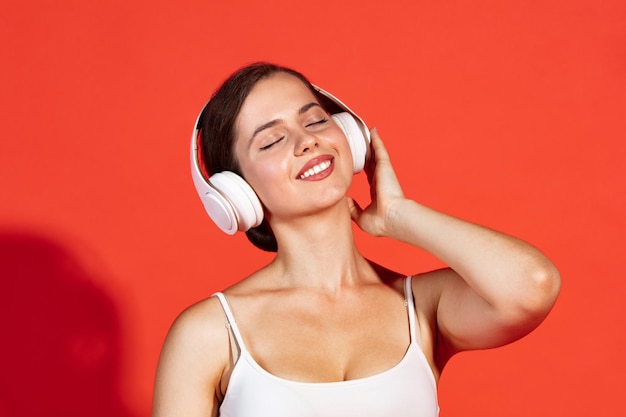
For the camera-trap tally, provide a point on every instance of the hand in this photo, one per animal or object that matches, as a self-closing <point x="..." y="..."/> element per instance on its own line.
<point x="385" y="190"/>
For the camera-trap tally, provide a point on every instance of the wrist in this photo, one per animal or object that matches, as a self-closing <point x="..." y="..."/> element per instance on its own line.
<point x="396" y="212"/>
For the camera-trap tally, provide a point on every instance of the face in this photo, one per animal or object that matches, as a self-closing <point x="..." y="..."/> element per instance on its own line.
<point x="289" y="150"/>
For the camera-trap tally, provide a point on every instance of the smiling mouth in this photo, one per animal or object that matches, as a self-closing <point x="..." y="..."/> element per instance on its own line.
<point x="322" y="166"/>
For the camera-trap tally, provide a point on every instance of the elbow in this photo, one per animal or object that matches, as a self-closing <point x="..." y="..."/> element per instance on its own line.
<point x="540" y="292"/>
<point x="547" y="281"/>
<point x="531" y="296"/>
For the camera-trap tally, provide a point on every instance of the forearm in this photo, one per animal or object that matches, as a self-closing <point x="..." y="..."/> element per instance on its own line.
<point x="501" y="269"/>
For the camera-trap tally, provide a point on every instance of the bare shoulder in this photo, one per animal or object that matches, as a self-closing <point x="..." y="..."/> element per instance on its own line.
<point x="200" y="329"/>
<point x="427" y="289"/>
<point x="207" y="312"/>
<point x="428" y="285"/>
<point x="193" y="358"/>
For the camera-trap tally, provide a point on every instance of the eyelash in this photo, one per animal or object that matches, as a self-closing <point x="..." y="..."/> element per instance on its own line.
<point x="319" y="122"/>
<point x="263" y="148"/>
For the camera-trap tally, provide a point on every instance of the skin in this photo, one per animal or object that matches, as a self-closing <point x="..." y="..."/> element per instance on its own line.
<point x="320" y="311"/>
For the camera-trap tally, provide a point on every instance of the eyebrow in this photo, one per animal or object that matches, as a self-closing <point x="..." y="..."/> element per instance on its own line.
<point x="274" y="122"/>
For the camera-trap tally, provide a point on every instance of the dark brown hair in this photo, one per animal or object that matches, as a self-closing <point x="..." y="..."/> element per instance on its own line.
<point x="217" y="122"/>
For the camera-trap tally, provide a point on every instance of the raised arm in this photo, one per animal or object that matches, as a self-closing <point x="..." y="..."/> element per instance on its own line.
<point x="192" y="361"/>
<point x="498" y="287"/>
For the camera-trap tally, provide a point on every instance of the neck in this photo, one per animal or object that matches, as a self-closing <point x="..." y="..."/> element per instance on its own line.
<point x="319" y="252"/>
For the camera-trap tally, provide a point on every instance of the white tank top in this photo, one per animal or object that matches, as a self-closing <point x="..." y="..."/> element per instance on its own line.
<point x="406" y="390"/>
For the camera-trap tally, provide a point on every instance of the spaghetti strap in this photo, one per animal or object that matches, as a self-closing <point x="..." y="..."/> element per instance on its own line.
<point x="232" y="324"/>
<point x="408" y="299"/>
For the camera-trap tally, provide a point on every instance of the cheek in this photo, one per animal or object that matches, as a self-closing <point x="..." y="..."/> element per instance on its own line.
<point x="347" y="164"/>
<point x="265" y="179"/>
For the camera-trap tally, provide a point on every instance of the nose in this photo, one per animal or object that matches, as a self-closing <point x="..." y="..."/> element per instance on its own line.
<point x="306" y="143"/>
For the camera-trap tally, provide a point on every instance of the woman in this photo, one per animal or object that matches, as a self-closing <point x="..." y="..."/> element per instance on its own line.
<point x="322" y="331"/>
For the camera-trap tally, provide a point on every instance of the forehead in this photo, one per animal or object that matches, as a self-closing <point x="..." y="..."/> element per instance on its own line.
<point x="275" y="97"/>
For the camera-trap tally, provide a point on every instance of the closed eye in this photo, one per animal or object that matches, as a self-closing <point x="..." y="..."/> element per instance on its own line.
<point x="271" y="144"/>
<point x="319" y="122"/>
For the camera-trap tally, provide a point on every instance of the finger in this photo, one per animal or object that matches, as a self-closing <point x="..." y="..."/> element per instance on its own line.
<point x="354" y="208"/>
<point x="378" y="147"/>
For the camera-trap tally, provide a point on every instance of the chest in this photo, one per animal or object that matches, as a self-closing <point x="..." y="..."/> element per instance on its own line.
<point x="316" y="340"/>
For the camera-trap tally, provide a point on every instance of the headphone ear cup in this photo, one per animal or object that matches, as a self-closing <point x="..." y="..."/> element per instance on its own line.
<point x="232" y="204"/>
<point x="359" y="144"/>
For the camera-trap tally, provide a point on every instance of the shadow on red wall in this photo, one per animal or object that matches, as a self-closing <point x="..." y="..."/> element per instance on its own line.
<point x="60" y="352"/>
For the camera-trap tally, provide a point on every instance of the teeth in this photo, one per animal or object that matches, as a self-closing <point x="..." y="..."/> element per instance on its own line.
<point x="316" y="169"/>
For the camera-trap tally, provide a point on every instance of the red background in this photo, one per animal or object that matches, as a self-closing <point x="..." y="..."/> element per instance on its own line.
<point x="510" y="114"/>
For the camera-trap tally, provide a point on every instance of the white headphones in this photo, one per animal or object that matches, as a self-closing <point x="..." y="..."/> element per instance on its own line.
<point x="230" y="201"/>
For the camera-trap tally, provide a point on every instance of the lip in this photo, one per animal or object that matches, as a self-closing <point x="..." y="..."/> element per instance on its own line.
<point x="316" y="161"/>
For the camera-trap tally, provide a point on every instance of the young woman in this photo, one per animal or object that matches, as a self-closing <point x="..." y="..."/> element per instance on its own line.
<point x="322" y="331"/>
